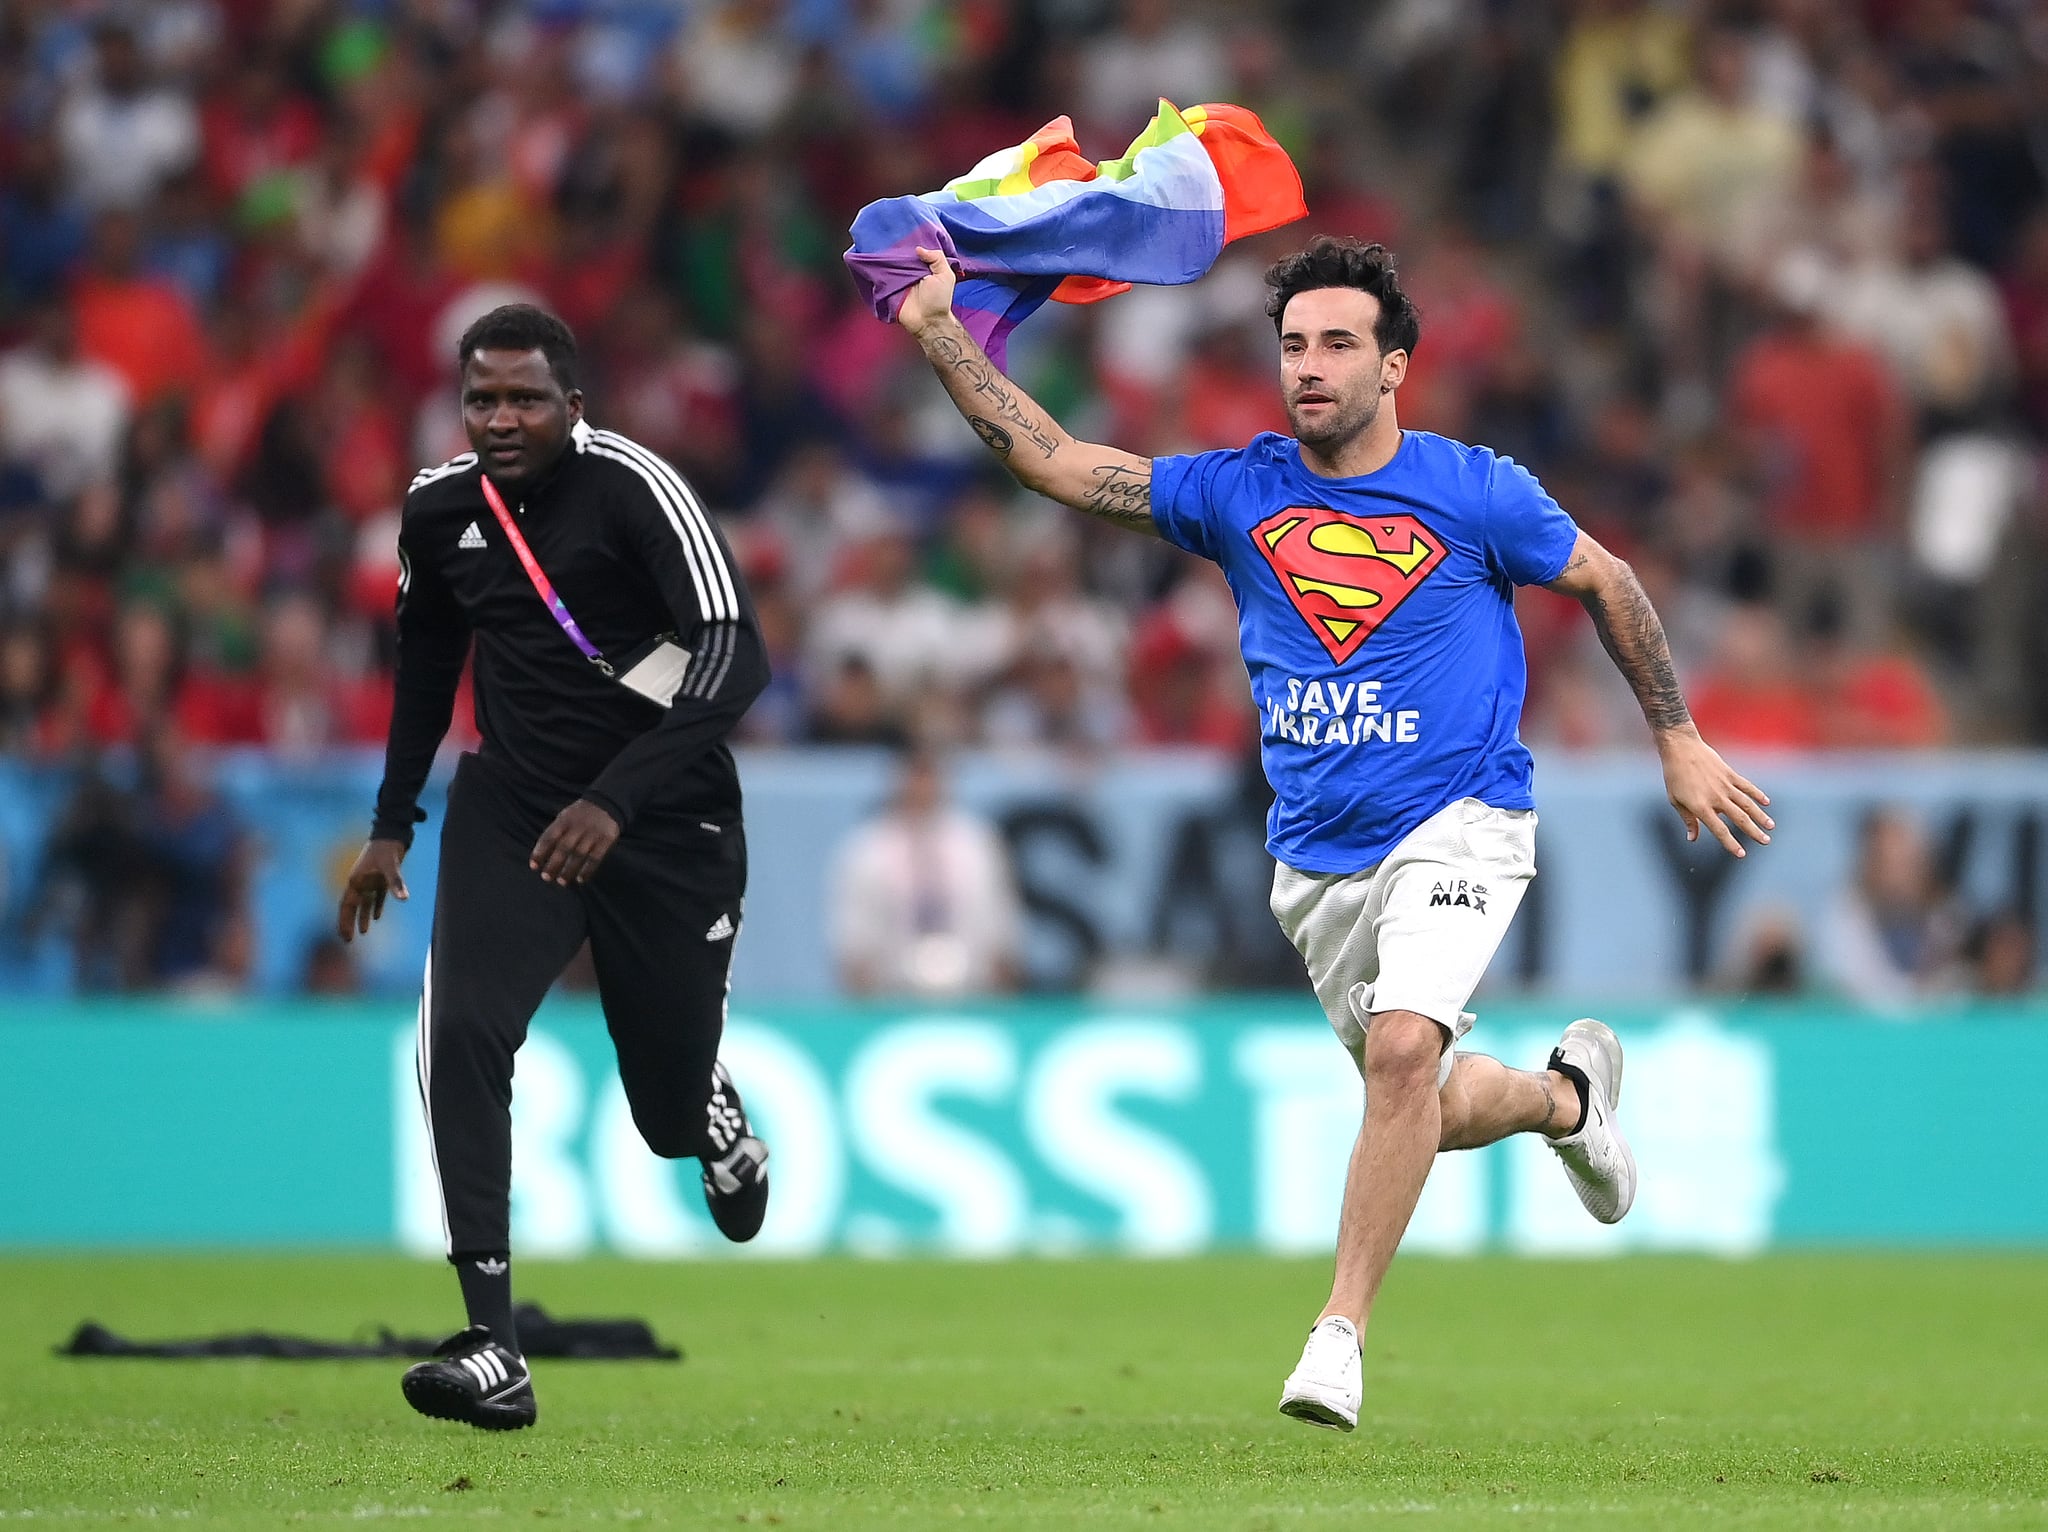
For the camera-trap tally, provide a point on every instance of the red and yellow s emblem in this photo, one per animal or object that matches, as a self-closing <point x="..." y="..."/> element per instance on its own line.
<point x="1346" y="574"/>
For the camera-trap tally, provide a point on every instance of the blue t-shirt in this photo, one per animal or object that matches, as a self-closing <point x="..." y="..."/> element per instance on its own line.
<point x="1377" y="621"/>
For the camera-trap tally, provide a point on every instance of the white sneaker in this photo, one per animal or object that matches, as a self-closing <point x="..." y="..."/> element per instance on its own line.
<point x="1597" y="1159"/>
<point x="1328" y="1382"/>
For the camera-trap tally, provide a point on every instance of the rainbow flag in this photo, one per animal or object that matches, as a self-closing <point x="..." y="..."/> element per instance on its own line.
<point x="1038" y="221"/>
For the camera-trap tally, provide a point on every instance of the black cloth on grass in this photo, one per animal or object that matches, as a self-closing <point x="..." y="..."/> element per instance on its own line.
<point x="591" y="1340"/>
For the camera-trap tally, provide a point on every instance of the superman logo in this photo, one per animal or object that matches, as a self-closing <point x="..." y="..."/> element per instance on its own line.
<point x="1346" y="574"/>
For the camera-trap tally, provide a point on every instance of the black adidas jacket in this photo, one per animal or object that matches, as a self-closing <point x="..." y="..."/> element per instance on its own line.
<point x="632" y="553"/>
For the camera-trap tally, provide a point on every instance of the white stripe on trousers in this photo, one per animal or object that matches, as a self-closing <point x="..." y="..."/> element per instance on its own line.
<point x="423" y="1071"/>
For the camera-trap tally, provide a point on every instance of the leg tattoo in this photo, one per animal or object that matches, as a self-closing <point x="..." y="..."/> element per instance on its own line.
<point x="1549" y="1102"/>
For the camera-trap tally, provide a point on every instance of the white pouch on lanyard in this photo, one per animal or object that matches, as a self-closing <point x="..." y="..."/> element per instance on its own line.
<point x="657" y="673"/>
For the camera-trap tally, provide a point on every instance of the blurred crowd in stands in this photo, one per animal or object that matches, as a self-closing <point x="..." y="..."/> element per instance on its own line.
<point x="1759" y="288"/>
<point x="1898" y="935"/>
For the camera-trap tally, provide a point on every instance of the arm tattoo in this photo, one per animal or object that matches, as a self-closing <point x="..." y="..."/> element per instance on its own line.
<point x="962" y="365"/>
<point x="1006" y="419"/>
<point x="1634" y="639"/>
<point x="1122" y="493"/>
<point x="993" y="436"/>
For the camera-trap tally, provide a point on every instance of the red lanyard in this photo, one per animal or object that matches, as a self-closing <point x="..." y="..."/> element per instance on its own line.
<point x="539" y="576"/>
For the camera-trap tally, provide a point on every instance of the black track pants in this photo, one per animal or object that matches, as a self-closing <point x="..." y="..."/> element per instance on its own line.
<point x="660" y="914"/>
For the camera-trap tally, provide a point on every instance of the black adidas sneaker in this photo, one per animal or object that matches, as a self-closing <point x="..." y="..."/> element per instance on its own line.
<point x="473" y="1378"/>
<point x="736" y="1169"/>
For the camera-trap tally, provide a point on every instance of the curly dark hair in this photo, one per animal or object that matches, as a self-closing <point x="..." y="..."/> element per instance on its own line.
<point x="1334" y="261"/>
<point x="522" y="327"/>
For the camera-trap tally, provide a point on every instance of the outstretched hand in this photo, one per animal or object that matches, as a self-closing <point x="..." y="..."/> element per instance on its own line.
<point x="1706" y="790"/>
<point x="570" y="849"/>
<point x="931" y="299"/>
<point x="374" y="875"/>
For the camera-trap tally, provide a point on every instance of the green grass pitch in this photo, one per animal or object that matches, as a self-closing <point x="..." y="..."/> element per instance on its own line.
<point x="1815" y="1391"/>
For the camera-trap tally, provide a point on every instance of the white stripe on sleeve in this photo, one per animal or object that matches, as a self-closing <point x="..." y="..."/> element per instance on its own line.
<point x="692" y="516"/>
<point x="732" y="648"/>
<point x="705" y="593"/>
<point x="719" y="643"/>
<point x="455" y="464"/>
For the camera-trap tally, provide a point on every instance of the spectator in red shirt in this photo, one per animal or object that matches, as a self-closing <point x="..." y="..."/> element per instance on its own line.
<point x="308" y="706"/>
<point x="254" y="130"/>
<point x="1884" y="700"/>
<point x="403" y="294"/>
<point x="1828" y="430"/>
<point x="1178" y="695"/>
<point x="1187" y="687"/>
<point x="1471" y="320"/>
<point x="1229" y="398"/>
<point x="140" y="326"/>
<point x="150" y="687"/>
<point x="1752" y="694"/>
<point x="255" y="367"/>
<point x="1871" y="698"/>
<point x="362" y="440"/>
<point x="586" y="270"/>
<point x="671" y="392"/>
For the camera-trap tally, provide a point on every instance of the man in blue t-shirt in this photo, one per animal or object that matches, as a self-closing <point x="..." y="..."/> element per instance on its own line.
<point x="1374" y="571"/>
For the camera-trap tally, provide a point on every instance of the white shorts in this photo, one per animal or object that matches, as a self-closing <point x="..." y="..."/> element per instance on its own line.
<point x="1416" y="932"/>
